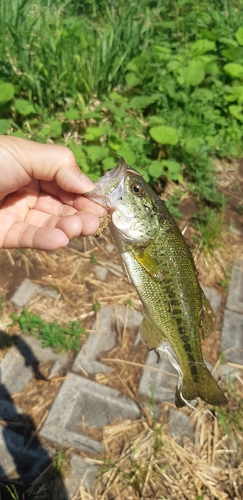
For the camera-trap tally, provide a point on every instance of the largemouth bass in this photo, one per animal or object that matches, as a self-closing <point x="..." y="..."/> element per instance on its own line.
<point x="159" y="263"/>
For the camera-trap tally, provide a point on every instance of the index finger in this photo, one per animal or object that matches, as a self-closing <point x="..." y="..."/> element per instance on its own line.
<point x="47" y="162"/>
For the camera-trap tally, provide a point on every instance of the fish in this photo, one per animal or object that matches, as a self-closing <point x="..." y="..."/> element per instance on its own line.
<point x="159" y="263"/>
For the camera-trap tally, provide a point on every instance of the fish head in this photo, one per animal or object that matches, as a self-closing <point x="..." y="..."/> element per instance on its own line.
<point x="131" y="202"/>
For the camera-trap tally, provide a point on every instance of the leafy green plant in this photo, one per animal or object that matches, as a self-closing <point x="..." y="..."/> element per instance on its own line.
<point x="157" y="83"/>
<point x="96" y="306"/>
<point x="59" y="462"/>
<point x="52" y="334"/>
<point x="210" y="226"/>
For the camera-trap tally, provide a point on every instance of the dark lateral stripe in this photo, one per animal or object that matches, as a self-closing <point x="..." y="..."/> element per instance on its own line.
<point x="192" y="361"/>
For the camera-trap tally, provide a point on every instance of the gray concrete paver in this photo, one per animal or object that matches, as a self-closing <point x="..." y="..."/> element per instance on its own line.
<point x="14" y="458"/>
<point x="79" y="468"/>
<point x="80" y="402"/>
<point x="158" y="380"/>
<point x="27" y="291"/>
<point x="105" y="338"/>
<point x="179" y="426"/>
<point x="235" y="295"/>
<point x="16" y="368"/>
<point x="232" y="329"/>
<point x="232" y="337"/>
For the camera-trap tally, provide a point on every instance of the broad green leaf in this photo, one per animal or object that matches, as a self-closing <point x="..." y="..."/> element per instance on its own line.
<point x="211" y="140"/>
<point x="109" y="163"/>
<point x="128" y="155"/>
<point x="4" y="126"/>
<point x="209" y="35"/>
<point x="96" y="153"/>
<point x="115" y="142"/>
<point x="236" y="111"/>
<point x="24" y="107"/>
<point x="72" y="114"/>
<point x="164" y="135"/>
<point x="155" y="169"/>
<point x="202" y="46"/>
<point x="172" y="170"/>
<point x="93" y="133"/>
<point x="79" y="155"/>
<point x="239" y="35"/>
<point x="193" y="144"/>
<point x="56" y="129"/>
<point x="230" y="53"/>
<point x="169" y="168"/>
<point x="234" y="70"/>
<point x="132" y="80"/>
<point x="94" y="115"/>
<point x="19" y="133"/>
<point x="6" y="92"/>
<point x="132" y="66"/>
<point x="195" y="72"/>
<point x="234" y="93"/>
<point x="156" y="120"/>
<point x="174" y="65"/>
<point x="114" y="96"/>
<point x="202" y="94"/>
<point x="45" y="131"/>
<point x="141" y="102"/>
<point x="228" y="41"/>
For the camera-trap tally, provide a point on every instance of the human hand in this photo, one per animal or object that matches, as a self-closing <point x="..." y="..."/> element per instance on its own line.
<point x="41" y="202"/>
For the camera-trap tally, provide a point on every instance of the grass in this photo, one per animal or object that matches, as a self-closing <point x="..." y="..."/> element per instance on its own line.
<point x="209" y="225"/>
<point x="52" y="334"/>
<point x="191" y="470"/>
<point x="158" y="83"/>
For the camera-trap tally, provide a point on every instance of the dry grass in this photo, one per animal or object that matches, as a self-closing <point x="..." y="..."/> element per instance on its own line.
<point x="141" y="461"/>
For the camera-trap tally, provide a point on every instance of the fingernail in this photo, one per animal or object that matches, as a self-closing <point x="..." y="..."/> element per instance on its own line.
<point x="87" y="184"/>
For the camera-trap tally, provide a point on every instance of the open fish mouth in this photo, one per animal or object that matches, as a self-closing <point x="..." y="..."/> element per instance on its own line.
<point x="108" y="183"/>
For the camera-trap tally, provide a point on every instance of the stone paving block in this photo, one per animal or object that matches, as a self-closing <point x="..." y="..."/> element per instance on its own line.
<point x="213" y="297"/>
<point x="235" y="295"/>
<point x="179" y="426"/>
<point x="15" y="460"/>
<point x="229" y="373"/>
<point x="232" y="337"/>
<point x="27" y="290"/>
<point x="19" y="363"/>
<point x="83" y="402"/>
<point x="101" y="272"/>
<point x="104" y="339"/>
<point x="159" y="384"/>
<point x="81" y="472"/>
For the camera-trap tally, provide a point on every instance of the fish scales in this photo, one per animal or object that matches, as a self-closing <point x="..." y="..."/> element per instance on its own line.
<point x="160" y="265"/>
<point x="172" y="309"/>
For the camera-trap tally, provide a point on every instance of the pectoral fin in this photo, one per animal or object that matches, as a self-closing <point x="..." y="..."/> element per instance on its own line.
<point x="207" y="318"/>
<point x="148" y="263"/>
<point x="151" y="335"/>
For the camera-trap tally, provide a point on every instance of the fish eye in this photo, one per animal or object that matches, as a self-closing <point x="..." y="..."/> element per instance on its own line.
<point x="137" y="189"/>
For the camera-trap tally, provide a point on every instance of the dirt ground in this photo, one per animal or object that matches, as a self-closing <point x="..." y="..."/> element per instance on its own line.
<point x="71" y="271"/>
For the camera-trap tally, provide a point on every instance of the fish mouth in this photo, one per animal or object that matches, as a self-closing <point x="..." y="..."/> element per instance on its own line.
<point x="105" y="186"/>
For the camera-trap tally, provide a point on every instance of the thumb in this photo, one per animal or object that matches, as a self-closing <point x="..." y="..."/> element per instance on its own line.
<point x="48" y="162"/>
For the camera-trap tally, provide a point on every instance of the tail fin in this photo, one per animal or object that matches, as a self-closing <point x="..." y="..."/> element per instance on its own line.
<point x="206" y="388"/>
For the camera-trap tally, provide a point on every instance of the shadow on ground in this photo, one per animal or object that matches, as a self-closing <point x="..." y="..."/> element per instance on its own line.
<point x="26" y="468"/>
